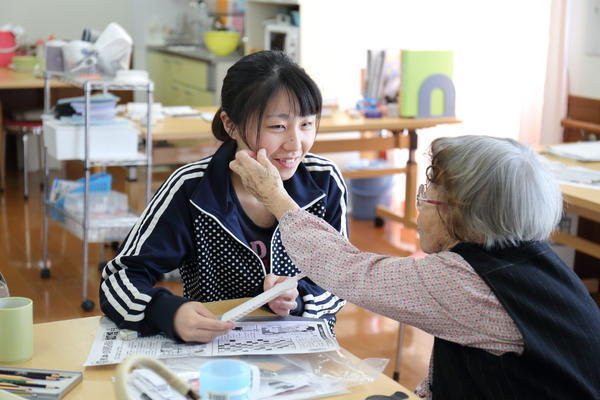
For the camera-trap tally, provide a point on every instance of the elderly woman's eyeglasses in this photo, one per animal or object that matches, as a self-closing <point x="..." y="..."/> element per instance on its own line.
<point x="421" y="199"/>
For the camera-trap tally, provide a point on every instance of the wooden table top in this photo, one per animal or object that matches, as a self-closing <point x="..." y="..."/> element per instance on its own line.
<point x="580" y="197"/>
<point x="10" y="79"/>
<point x="174" y="128"/>
<point x="64" y="345"/>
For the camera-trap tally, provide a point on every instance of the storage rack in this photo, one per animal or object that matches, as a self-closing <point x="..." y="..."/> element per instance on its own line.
<point x="141" y="160"/>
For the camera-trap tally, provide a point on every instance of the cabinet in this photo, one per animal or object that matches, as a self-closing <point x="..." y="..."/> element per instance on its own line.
<point x="182" y="81"/>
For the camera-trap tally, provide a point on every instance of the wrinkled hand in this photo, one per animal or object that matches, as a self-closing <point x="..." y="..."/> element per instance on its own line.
<point x="194" y="323"/>
<point x="262" y="180"/>
<point x="284" y="303"/>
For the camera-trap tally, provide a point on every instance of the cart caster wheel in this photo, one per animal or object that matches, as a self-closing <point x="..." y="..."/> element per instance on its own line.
<point x="378" y="222"/>
<point x="87" y="305"/>
<point x="42" y="186"/>
<point x="45" y="273"/>
<point x="101" y="265"/>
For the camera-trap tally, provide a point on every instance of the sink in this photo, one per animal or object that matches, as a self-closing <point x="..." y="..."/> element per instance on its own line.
<point x="183" y="47"/>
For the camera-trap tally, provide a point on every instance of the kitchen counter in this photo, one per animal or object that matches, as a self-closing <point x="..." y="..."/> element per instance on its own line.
<point x="198" y="53"/>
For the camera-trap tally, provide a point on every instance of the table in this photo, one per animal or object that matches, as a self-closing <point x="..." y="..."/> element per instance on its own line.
<point x="580" y="201"/>
<point x="403" y="136"/>
<point x="16" y="80"/>
<point x="64" y="345"/>
<point x="10" y="79"/>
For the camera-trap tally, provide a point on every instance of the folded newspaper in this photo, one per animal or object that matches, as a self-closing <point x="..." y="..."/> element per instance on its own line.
<point x="252" y="335"/>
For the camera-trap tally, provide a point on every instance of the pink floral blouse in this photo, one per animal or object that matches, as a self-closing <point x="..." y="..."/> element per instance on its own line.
<point x="440" y="293"/>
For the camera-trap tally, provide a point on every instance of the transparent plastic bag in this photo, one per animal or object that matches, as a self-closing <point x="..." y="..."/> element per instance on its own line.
<point x="341" y="366"/>
<point x="300" y="376"/>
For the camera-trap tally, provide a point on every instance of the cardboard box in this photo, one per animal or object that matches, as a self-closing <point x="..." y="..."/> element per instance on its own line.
<point x="115" y="141"/>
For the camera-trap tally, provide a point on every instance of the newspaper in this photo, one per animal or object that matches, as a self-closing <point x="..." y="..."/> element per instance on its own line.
<point x="574" y="175"/>
<point x="581" y="151"/>
<point x="252" y="335"/>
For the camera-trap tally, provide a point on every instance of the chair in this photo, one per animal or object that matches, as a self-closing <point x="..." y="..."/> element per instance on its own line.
<point x="23" y="128"/>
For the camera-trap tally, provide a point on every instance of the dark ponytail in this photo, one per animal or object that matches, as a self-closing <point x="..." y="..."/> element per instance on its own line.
<point x="252" y="81"/>
<point x="218" y="129"/>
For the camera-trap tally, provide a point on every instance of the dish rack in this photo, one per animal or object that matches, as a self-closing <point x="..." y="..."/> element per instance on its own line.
<point x="106" y="229"/>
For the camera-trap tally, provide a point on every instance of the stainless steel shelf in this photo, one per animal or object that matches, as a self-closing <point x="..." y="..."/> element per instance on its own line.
<point x="94" y="230"/>
<point x="97" y="84"/>
<point x="140" y="160"/>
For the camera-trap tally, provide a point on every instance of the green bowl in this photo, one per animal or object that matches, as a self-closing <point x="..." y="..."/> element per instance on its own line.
<point x="25" y="63"/>
<point x="221" y="43"/>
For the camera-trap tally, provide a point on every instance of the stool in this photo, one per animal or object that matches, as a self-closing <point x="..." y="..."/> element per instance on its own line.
<point x="23" y="129"/>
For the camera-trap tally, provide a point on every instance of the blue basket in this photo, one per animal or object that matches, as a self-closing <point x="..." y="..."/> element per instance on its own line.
<point x="101" y="182"/>
<point x="367" y="193"/>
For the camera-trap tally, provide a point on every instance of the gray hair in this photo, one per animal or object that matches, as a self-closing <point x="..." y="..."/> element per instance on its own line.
<point x="501" y="192"/>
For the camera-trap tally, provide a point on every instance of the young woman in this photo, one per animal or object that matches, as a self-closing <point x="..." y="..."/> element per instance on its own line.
<point x="510" y="319"/>
<point x="202" y="220"/>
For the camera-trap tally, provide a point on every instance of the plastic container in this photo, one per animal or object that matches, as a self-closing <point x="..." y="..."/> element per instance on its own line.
<point x="100" y="204"/>
<point x="367" y="193"/>
<point x="115" y="140"/>
<point x="101" y="182"/>
<point x="25" y="63"/>
<point x="8" y="47"/>
<point x="102" y="228"/>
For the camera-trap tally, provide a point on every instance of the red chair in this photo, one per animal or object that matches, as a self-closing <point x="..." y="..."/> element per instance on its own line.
<point x="23" y="129"/>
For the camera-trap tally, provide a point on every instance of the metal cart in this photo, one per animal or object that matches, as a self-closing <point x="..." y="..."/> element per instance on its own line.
<point x="82" y="227"/>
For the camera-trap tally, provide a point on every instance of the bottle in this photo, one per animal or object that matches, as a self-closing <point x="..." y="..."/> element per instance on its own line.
<point x="39" y="53"/>
<point x="3" y="287"/>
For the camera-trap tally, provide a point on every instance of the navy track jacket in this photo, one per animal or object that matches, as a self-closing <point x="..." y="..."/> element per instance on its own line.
<point x="192" y="224"/>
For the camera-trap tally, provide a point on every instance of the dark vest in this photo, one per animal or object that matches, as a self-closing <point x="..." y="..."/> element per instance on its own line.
<point x="559" y="322"/>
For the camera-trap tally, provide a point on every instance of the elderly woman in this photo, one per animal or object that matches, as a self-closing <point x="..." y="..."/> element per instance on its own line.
<point x="510" y="319"/>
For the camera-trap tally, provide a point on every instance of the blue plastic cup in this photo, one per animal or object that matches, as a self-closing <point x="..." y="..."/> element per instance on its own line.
<point x="234" y="379"/>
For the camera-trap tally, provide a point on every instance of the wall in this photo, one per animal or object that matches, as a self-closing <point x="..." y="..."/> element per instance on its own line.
<point x="500" y="51"/>
<point x="66" y="19"/>
<point x="500" y="56"/>
<point x="151" y="18"/>
<point x="584" y="76"/>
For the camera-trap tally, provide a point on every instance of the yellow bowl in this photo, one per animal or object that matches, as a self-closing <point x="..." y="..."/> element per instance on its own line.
<point x="221" y="43"/>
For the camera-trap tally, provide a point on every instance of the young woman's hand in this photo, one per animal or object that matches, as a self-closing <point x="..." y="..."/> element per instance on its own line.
<point x="194" y="323"/>
<point x="284" y="303"/>
<point x="263" y="181"/>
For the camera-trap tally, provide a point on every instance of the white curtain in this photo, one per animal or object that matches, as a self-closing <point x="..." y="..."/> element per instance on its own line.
<point x="556" y="90"/>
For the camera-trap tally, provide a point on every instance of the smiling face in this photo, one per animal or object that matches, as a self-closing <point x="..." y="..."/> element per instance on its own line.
<point x="433" y="234"/>
<point x="285" y="136"/>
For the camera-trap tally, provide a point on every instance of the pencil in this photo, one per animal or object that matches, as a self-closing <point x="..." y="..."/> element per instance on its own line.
<point x="7" y="380"/>
<point x="32" y="375"/>
<point x="15" y="387"/>
<point x="15" y="377"/>
<point x="22" y="394"/>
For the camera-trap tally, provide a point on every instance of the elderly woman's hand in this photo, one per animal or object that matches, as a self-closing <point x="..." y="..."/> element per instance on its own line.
<point x="263" y="181"/>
